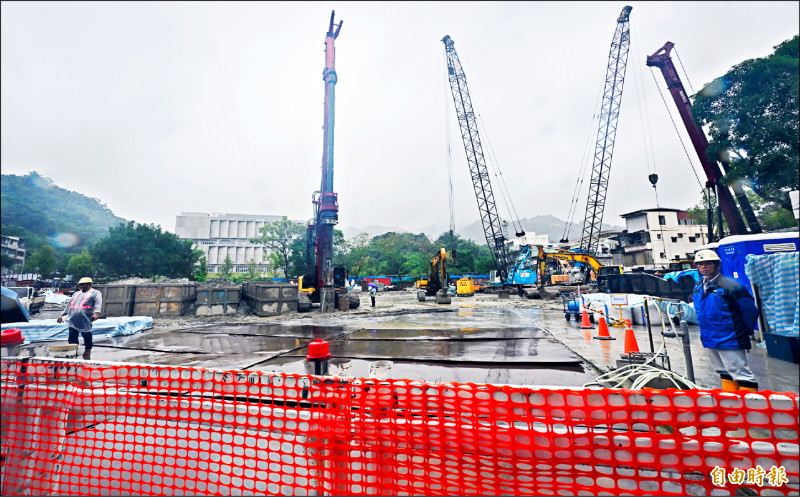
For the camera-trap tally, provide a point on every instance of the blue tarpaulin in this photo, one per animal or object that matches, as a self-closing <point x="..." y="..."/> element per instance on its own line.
<point x="41" y="330"/>
<point x="776" y="276"/>
<point x="12" y="309"/>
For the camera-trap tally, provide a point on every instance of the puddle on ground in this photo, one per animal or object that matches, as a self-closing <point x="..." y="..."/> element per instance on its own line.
<point x="465" y="345"/>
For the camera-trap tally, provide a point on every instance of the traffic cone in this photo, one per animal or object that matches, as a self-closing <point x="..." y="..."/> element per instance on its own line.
<point x="602" y="330"/>
<point x="585" y="320"/>
<point x="630" y="339"/>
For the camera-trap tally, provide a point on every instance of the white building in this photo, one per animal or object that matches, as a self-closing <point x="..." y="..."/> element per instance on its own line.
<point x="516" y="243"/>
<point x="12" y="247"/>
<point x="222" y="235"/>
<point x="654" y="237"/>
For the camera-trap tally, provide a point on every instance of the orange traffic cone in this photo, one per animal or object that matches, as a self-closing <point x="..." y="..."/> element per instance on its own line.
<point x="602" y="331"/>
<point x="585" y="320"/>
<point x="630" y="339"/>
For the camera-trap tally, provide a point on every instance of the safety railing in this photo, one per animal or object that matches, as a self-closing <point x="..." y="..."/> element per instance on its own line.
<point x="77" y="428"/>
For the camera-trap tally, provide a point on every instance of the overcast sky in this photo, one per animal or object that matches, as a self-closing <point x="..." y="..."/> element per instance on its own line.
<point x="162" y="107"/>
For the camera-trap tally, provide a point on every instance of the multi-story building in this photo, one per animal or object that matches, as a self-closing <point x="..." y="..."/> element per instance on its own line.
<point x="12" y="247"/>
<point x="223" y="235"/>
<point x="654" y="237"/>
<point x="515" y="244"/>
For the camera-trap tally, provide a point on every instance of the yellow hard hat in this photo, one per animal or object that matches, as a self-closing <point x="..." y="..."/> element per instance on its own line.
<point x="85" y="280"/>
<point x="706" y="255"/>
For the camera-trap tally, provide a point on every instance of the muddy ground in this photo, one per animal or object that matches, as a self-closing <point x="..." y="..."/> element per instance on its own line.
<point x="386" y="303"/>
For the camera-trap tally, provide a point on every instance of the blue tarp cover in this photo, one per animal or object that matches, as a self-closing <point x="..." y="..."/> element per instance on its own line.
<point x="674" y="275"/>
<point x="776" y="276"/>
<point x="42" y="330"/>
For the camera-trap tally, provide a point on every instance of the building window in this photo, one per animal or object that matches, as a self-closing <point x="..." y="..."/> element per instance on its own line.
<point x="692" y="239"/>
<point x="674" y="239"/>
<point x="658" y="236"/>
<point x="662" y="255"/>
<point x="680" y="235"/>
<point x="662" y="220"/>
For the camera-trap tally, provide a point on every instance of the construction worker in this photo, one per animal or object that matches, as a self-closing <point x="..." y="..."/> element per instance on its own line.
<point x="727" y="315"/>
<point x="373" y="291"/>
<point x="83" y="309"/>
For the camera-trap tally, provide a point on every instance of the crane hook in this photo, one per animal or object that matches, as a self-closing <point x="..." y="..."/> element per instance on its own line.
<point x="653" y="179"/>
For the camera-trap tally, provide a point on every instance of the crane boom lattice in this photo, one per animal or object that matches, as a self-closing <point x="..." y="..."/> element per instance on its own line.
<point x="607" y="131"/>
<point x="476" y="161"/>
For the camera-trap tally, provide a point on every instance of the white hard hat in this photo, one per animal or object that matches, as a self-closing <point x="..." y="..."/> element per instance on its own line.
<point x="705" y="255"/>
<point x="85" y="279"/>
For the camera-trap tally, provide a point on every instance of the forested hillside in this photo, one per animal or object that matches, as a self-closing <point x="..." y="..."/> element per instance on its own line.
<point x="35" y="208"/>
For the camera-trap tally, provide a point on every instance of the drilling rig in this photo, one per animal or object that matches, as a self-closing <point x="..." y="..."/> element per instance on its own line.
<point x="326" y="282"/>
<point x="661" y="59"/>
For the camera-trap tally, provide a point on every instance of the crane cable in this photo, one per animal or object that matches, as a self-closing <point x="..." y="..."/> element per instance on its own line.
<point x="639" y="81"/>
<point x="682" y="68"/>
<point x="675" y="126"/>
<point x="448" y="137"/>
<point x="500" y="179"/>
<point x="584" y="163"/>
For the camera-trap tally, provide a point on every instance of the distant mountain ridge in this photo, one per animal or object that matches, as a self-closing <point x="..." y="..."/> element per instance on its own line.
<point x="544" y="224"/>
<point x="34" y="208"/>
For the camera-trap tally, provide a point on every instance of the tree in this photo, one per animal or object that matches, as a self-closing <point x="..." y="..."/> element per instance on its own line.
<point x="145" y="251"/>
<point x="416" y="264"/>
<point x="80" y="265"/>
<point x="201" y="273"/>
<point x="44" y="258"/>
<point x="357" y="256"/>
<point x="252" y="270"/>
<point x="754" y="122"/>
<point x="9" y="262"/>
<point x="226" y="268"/>
<point x="278" y="237"/>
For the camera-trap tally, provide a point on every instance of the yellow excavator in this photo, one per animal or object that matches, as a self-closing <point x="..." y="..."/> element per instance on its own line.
<point x="438" y="281"/>
<point x="595" y="272"/>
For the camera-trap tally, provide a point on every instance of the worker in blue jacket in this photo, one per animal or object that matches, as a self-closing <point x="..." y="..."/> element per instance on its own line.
<point x="727" y="315"/>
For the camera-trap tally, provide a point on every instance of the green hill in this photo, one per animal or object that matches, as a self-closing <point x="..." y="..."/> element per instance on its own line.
<point x="34" y="208"/>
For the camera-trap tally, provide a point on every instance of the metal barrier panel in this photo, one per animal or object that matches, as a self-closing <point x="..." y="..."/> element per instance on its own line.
<point x="77" y="428"/>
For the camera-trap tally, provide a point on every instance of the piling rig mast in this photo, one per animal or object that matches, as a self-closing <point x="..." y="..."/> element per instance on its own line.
<point x="661" y="59"/>
<point x="319" y="232"/>
<point x="607" y="132"/>
<point x="476" y="161"/>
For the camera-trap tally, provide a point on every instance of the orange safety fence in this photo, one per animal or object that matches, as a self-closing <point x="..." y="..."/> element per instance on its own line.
<point x="76" y="428"/>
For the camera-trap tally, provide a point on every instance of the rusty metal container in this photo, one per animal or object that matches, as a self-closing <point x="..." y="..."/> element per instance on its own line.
<point x="217" y="300"/>
<point x="269" y="298"/>
<point x="164" y="300"/>
<point x="118" y="300"/>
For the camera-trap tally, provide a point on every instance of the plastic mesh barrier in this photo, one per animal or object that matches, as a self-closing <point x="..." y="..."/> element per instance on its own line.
<point x="73" y="428"/>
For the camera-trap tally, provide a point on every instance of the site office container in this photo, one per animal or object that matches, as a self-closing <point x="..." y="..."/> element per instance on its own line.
<point x="164" y="300"/>
<point x="217" y="300"/>
<point x="118" y="300"/>
<point x="270" y="298"/>
<point x="733" y="251"/>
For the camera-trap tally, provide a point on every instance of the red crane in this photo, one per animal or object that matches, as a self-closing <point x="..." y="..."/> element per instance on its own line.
<point x="733" y="217"/>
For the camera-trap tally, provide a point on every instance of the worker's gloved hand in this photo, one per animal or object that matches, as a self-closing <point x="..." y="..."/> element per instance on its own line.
<point x="59" y="319"/>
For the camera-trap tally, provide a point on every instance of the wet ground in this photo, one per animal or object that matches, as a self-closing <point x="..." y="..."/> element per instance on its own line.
<point x="480" y="339"/>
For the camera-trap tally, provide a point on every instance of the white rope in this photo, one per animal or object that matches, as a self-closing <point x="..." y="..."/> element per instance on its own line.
<point x="641" y="374"/>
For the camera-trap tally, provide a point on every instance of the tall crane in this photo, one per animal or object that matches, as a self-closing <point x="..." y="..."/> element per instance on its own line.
<point x="476" y="161"/>
<point x="319" y="239"/>
<point x="661" y="59"/>
<point x="607" y="132"/>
